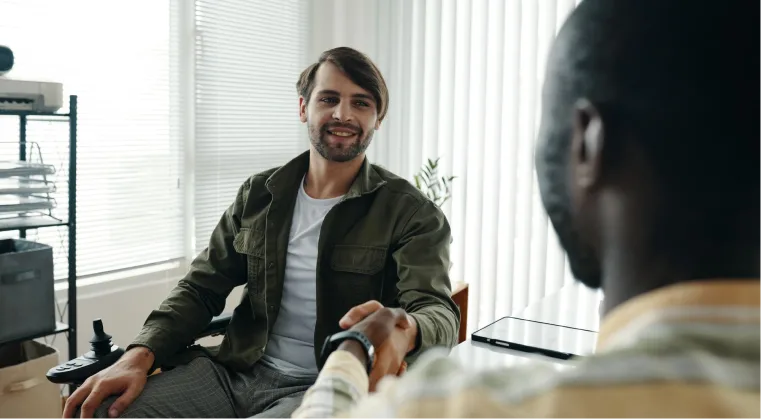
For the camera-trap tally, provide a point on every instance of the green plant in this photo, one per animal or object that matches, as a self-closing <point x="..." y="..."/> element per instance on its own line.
<point x="437" y="188"/>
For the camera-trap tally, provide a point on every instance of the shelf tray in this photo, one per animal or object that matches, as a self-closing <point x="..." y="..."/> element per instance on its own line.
<point x="21" y="186"/>
<point x="30" y="222"/>
<point x="24" y="204"/>
<point x="24" y="168"/>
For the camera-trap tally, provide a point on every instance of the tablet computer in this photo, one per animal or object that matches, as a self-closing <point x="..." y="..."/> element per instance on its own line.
<point x="552" y="340"/>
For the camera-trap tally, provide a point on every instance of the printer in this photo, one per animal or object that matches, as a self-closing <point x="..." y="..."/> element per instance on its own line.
<point x="26" y="95"/>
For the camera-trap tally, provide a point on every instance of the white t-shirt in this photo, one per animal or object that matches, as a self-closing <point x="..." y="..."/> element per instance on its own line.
<point x="291" y="342"/>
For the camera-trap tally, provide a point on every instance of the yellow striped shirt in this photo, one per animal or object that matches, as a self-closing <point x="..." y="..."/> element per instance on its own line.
<point x="688" y="350"/>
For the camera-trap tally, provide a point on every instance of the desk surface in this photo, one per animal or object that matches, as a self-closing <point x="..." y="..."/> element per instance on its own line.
<point x="554" y="309"/>
<point x="480" y="356"/>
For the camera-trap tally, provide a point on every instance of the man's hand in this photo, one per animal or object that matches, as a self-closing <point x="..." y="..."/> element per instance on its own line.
<point x="126" y="377"/>
<point x="392" y="332"/>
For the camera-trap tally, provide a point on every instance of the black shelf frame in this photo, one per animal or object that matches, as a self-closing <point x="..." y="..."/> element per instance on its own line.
<point x="69" y="328"/>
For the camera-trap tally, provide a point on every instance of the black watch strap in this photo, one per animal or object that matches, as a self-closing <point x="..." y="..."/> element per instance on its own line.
<point x="333" y="341"/>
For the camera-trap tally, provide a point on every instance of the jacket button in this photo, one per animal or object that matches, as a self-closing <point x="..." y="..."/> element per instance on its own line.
<point x="271" y="265"/>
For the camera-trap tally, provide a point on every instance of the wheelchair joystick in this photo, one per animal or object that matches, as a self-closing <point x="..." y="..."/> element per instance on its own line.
<point x="100" y="344"/>
<point x="103" y="353"/>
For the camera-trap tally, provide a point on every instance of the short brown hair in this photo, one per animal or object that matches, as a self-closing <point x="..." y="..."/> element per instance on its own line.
<point x="357" y="67"/>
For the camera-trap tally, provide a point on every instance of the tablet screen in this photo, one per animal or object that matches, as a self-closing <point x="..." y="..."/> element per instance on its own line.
<point x="539" y="335"/>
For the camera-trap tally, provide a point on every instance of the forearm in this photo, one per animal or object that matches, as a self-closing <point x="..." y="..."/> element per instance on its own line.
<point x="176" y="322"/>
<point x="191" y="305"/>
<point x="424" y="285"/>
<point x="437" y="325"/>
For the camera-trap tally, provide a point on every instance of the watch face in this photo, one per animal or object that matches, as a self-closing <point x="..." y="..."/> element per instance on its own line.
<point x="334" y="341"/>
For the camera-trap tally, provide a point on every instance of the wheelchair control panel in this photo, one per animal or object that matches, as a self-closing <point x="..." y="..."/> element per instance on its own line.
<point x="103" y="353"/>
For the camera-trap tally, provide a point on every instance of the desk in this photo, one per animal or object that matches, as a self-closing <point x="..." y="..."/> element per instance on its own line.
<point x="480" y="356"/>
<point x="554" y="309"/>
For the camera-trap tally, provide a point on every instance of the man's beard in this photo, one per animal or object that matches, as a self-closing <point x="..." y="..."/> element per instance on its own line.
<point x="342" y="152"/>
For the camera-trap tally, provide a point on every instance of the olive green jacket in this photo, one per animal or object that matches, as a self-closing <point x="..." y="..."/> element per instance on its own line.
<point x="384" y="241"/>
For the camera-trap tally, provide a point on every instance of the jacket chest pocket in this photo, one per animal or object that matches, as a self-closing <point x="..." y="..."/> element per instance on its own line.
<point x="357" y="272"/>
<point x="250" y="242"/>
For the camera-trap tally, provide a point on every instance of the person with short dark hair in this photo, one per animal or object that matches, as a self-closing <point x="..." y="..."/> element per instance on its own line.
<point x="309" y="240"/>
<point x="648" y="168"/>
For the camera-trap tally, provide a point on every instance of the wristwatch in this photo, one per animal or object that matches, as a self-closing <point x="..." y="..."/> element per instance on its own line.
<point x="333" y="341"/>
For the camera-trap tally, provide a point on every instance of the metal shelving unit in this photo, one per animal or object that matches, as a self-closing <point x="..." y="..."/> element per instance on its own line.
<point x="22" y="224"/>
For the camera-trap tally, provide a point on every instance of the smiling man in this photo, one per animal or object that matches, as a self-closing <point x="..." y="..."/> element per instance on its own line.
<point x="309" y="240"/>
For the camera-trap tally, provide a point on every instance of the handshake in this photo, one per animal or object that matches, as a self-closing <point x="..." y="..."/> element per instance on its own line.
<point x="391" y="332"/>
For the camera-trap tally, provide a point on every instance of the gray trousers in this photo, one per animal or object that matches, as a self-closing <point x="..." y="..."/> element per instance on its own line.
<point x="205" y="389"/>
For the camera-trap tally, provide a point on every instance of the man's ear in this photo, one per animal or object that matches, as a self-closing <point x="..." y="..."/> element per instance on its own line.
<point x="377" y="124"/>
<point x="587" y="144"/>
<point x="302" y="109"/>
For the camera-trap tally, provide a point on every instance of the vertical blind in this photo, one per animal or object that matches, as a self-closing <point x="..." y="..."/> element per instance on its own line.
<point x="464" y="79"/>
<point x="117" y="57"/>
<point x="248" y="56"/>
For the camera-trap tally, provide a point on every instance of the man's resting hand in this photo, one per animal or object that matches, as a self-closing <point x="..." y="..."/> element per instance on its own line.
<point x="126" y="377"/>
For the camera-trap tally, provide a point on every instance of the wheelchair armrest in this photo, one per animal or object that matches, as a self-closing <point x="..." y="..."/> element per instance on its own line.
<point x="216" y="327"/>
<point x="76" y="371"/>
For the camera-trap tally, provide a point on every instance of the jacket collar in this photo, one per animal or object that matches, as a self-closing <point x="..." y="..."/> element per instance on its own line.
<point x="288" y="177"/>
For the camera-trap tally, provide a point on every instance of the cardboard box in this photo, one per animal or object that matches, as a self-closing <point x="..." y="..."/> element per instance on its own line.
<point x="24" y="390"/>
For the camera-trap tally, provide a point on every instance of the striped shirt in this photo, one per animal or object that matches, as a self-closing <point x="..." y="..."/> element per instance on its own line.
<point x="688" y="350"/>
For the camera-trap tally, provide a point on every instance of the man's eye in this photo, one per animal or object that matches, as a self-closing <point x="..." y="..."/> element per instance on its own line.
<point x="362" y="103"/>
<point x="330" y="100"/>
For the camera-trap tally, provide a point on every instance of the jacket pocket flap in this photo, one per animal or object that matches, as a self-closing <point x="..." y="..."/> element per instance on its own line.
<point x="367" y="260"/>
<point x="249" y="242"/>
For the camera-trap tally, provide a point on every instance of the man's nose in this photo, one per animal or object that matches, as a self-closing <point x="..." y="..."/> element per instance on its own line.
<point x="342" y="112"/>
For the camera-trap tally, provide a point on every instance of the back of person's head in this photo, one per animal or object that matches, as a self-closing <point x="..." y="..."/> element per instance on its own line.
<point x="649" y="145"/>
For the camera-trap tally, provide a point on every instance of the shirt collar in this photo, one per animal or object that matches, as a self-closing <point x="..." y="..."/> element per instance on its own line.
<point x="710" y="301"/>
<point x="290" y="175"/>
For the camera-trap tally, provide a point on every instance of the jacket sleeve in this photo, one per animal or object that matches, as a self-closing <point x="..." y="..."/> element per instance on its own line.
<point x="425" y="290"/>
<point x="202" y="293"/>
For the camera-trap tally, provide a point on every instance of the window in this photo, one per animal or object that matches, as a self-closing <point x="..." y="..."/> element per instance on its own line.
<point x="248" y="56"/>
<point x="171" y="120"/>
<point x="118" y="58"/>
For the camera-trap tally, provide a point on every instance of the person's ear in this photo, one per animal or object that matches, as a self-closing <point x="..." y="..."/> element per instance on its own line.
<point x="587" y="145"/>
<point x="302" y="109"/>
<point x="377" y="124"/>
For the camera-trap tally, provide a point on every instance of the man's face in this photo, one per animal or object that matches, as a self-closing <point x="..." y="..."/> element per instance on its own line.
<point x="341" y="117"/>
<point x="563" y="199"/>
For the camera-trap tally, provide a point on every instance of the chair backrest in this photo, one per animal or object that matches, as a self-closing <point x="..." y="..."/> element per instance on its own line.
<point x="460" y="297"/>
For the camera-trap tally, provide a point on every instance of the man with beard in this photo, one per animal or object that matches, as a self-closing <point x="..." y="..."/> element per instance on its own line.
<point x="647" y="164"/>
<point x="309" y="240"/>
